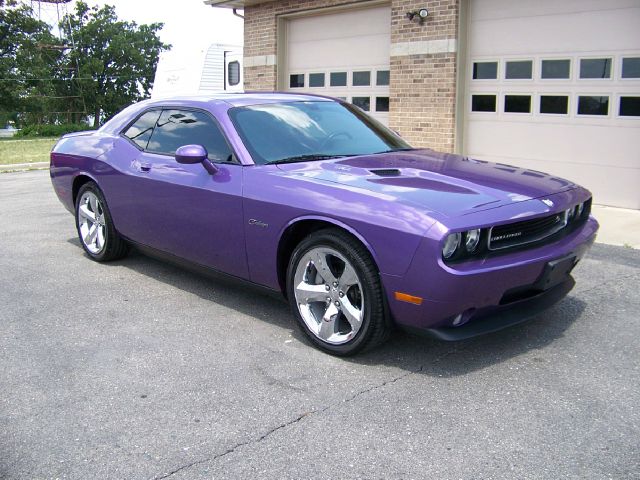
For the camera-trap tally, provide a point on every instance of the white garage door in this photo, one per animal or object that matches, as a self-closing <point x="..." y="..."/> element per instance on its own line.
<point x="555" y="86"/>
<point x="343" y="54"/>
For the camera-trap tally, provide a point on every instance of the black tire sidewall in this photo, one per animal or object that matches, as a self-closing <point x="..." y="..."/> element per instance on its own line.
<point x="371" y="298"/>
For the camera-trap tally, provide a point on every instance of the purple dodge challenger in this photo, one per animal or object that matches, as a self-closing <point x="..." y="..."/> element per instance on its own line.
<point x="309" y="196"/>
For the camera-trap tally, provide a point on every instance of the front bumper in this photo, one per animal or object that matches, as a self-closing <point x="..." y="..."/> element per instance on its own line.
<point x="485" y="295"/>
<point x="493" y="319"/>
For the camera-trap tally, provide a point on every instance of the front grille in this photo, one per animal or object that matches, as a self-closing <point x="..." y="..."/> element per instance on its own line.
<point x="528" y="231"/>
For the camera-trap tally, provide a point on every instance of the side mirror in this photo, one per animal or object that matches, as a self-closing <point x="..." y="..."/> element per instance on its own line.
<point x="191" y="154"/>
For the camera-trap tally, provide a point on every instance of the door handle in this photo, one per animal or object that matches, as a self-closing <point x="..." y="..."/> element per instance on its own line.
<point x="144" y="167"/>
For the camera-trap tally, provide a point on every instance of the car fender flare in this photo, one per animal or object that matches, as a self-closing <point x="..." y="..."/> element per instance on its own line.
<point x="338" y="224"/>
<point x="82" y="173"/>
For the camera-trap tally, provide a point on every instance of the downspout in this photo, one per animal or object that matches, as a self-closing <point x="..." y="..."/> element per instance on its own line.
<point x="235" y="12"/>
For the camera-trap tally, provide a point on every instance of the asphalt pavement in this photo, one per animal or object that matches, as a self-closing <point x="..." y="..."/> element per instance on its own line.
<point x="142" y="370"/>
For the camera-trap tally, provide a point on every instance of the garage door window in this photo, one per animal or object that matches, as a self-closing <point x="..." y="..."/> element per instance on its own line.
<point x="555" y="69"/>
<point x="593" y="105"/>
<point x="485" y="70"/>
<point x="483" y="103"/>
<point x="595" y="68"/>
<point x="382" y="104"/>
<point x="338" y="79"/>
<point x="631" y="67"/>
<point x="629" y="107"/>
<point x="554" y="104"/>
<point x="361" y="79"/>
<point x="520" y="70"/>
<point x="316" y="79"/>
<point x="296" y="80"/>
<point x="517" y="103"/>
<point x="382" y="78"/>
<point x="363" y="102"/>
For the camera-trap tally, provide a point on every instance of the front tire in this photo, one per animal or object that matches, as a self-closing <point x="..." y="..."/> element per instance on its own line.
<point x="335" y="293"/>
<point x="94" y="224"/>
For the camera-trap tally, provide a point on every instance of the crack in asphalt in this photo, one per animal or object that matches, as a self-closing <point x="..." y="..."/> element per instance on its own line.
<point x="300" y="418"/>
<point x="241" y="444"/>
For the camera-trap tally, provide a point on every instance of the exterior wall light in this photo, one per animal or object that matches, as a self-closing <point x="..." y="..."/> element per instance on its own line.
<point x="420" y="15"/>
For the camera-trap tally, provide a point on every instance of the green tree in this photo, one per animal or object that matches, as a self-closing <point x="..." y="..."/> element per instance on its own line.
<point x="26" y="64"/>
<point x="116" y="60"/>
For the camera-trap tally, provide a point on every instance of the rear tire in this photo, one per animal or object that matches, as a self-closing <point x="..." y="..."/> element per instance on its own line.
<point x="94" y="224"/>
<point x="335" y="293"/>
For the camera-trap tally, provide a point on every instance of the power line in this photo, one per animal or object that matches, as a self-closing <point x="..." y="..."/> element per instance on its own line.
<point x="23" y="79"/>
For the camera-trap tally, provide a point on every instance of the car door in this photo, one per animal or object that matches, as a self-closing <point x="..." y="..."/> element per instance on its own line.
<point x="182" y="209"/>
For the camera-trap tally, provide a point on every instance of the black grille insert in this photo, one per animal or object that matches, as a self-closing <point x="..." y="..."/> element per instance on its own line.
<point x="528" y="231"/>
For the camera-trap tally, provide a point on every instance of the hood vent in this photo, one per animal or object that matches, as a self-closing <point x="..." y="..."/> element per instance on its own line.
<point x="386" y="172"/>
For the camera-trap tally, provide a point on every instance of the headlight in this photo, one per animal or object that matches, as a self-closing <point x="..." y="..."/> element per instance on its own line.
<point x="471" y="239"/>
<point x="451" y="245"/>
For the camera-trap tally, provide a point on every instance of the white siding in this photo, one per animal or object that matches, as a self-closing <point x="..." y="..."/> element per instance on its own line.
<point x="213" y="70"/>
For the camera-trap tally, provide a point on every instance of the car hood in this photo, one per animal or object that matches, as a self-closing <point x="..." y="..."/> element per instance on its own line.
<point x="449" y="184"/>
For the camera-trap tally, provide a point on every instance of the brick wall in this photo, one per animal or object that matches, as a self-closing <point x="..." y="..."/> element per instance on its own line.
<point x="423" y="63"/>
<point x="423" y="85"/>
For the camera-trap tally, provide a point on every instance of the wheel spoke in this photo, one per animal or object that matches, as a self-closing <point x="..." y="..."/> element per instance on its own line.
<point x="312" y="293"/>
<point x="93" y="202"/>
<point x="352" y="314"/>
<point x="328" y="322"/>
<point x="100" y="238"/>
<point x="90" y="237"/>
<point x="322" y="266"/>
<point x="348" y="277"/>
<point x="86" y="213"/>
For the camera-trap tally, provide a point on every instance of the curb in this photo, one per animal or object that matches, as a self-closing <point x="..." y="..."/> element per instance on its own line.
<point x="21" y="167"/>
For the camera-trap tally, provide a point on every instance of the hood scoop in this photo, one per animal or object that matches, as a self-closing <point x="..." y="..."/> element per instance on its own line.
<point x="386" y="172"/>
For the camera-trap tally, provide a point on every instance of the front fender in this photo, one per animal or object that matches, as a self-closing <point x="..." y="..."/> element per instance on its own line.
<point x="273" y="202"/>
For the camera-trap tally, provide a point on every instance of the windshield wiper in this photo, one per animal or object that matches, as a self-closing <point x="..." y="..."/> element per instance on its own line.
<point x="305" y="158"/>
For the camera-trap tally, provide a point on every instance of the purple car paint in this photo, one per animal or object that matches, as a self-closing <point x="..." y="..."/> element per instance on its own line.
<point x="235" y="216"/>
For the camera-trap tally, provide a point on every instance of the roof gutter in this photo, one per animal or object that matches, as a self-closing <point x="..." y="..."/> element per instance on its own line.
<point x="224" y="4"/>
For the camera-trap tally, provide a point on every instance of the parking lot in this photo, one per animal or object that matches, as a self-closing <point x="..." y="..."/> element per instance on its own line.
<point x="142" y="370"/>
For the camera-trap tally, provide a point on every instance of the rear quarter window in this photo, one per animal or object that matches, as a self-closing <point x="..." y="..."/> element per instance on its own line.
<point x="140" y="131"/>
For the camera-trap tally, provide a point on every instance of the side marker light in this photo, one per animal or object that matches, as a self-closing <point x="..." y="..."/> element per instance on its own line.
<point x="405" y="297"/>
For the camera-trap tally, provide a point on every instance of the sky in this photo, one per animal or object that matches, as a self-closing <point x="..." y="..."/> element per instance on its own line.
<point x="188" y="24"/>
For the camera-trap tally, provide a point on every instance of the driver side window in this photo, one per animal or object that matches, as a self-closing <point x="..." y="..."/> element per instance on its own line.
<point x="176" y="128"/>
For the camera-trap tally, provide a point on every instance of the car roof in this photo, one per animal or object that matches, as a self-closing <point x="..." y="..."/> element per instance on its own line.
<point x="120" y="120"/>
<point x="239" y="99"/>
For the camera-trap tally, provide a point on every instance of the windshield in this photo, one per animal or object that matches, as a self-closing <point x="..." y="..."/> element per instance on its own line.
<point x="315" y="130"/>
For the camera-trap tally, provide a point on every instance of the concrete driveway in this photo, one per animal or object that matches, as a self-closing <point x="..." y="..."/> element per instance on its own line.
<point x="141" y="370"/>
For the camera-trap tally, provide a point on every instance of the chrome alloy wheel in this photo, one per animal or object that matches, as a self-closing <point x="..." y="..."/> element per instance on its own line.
<point x="329" y="295"/>
<point x="91" y="222"/>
